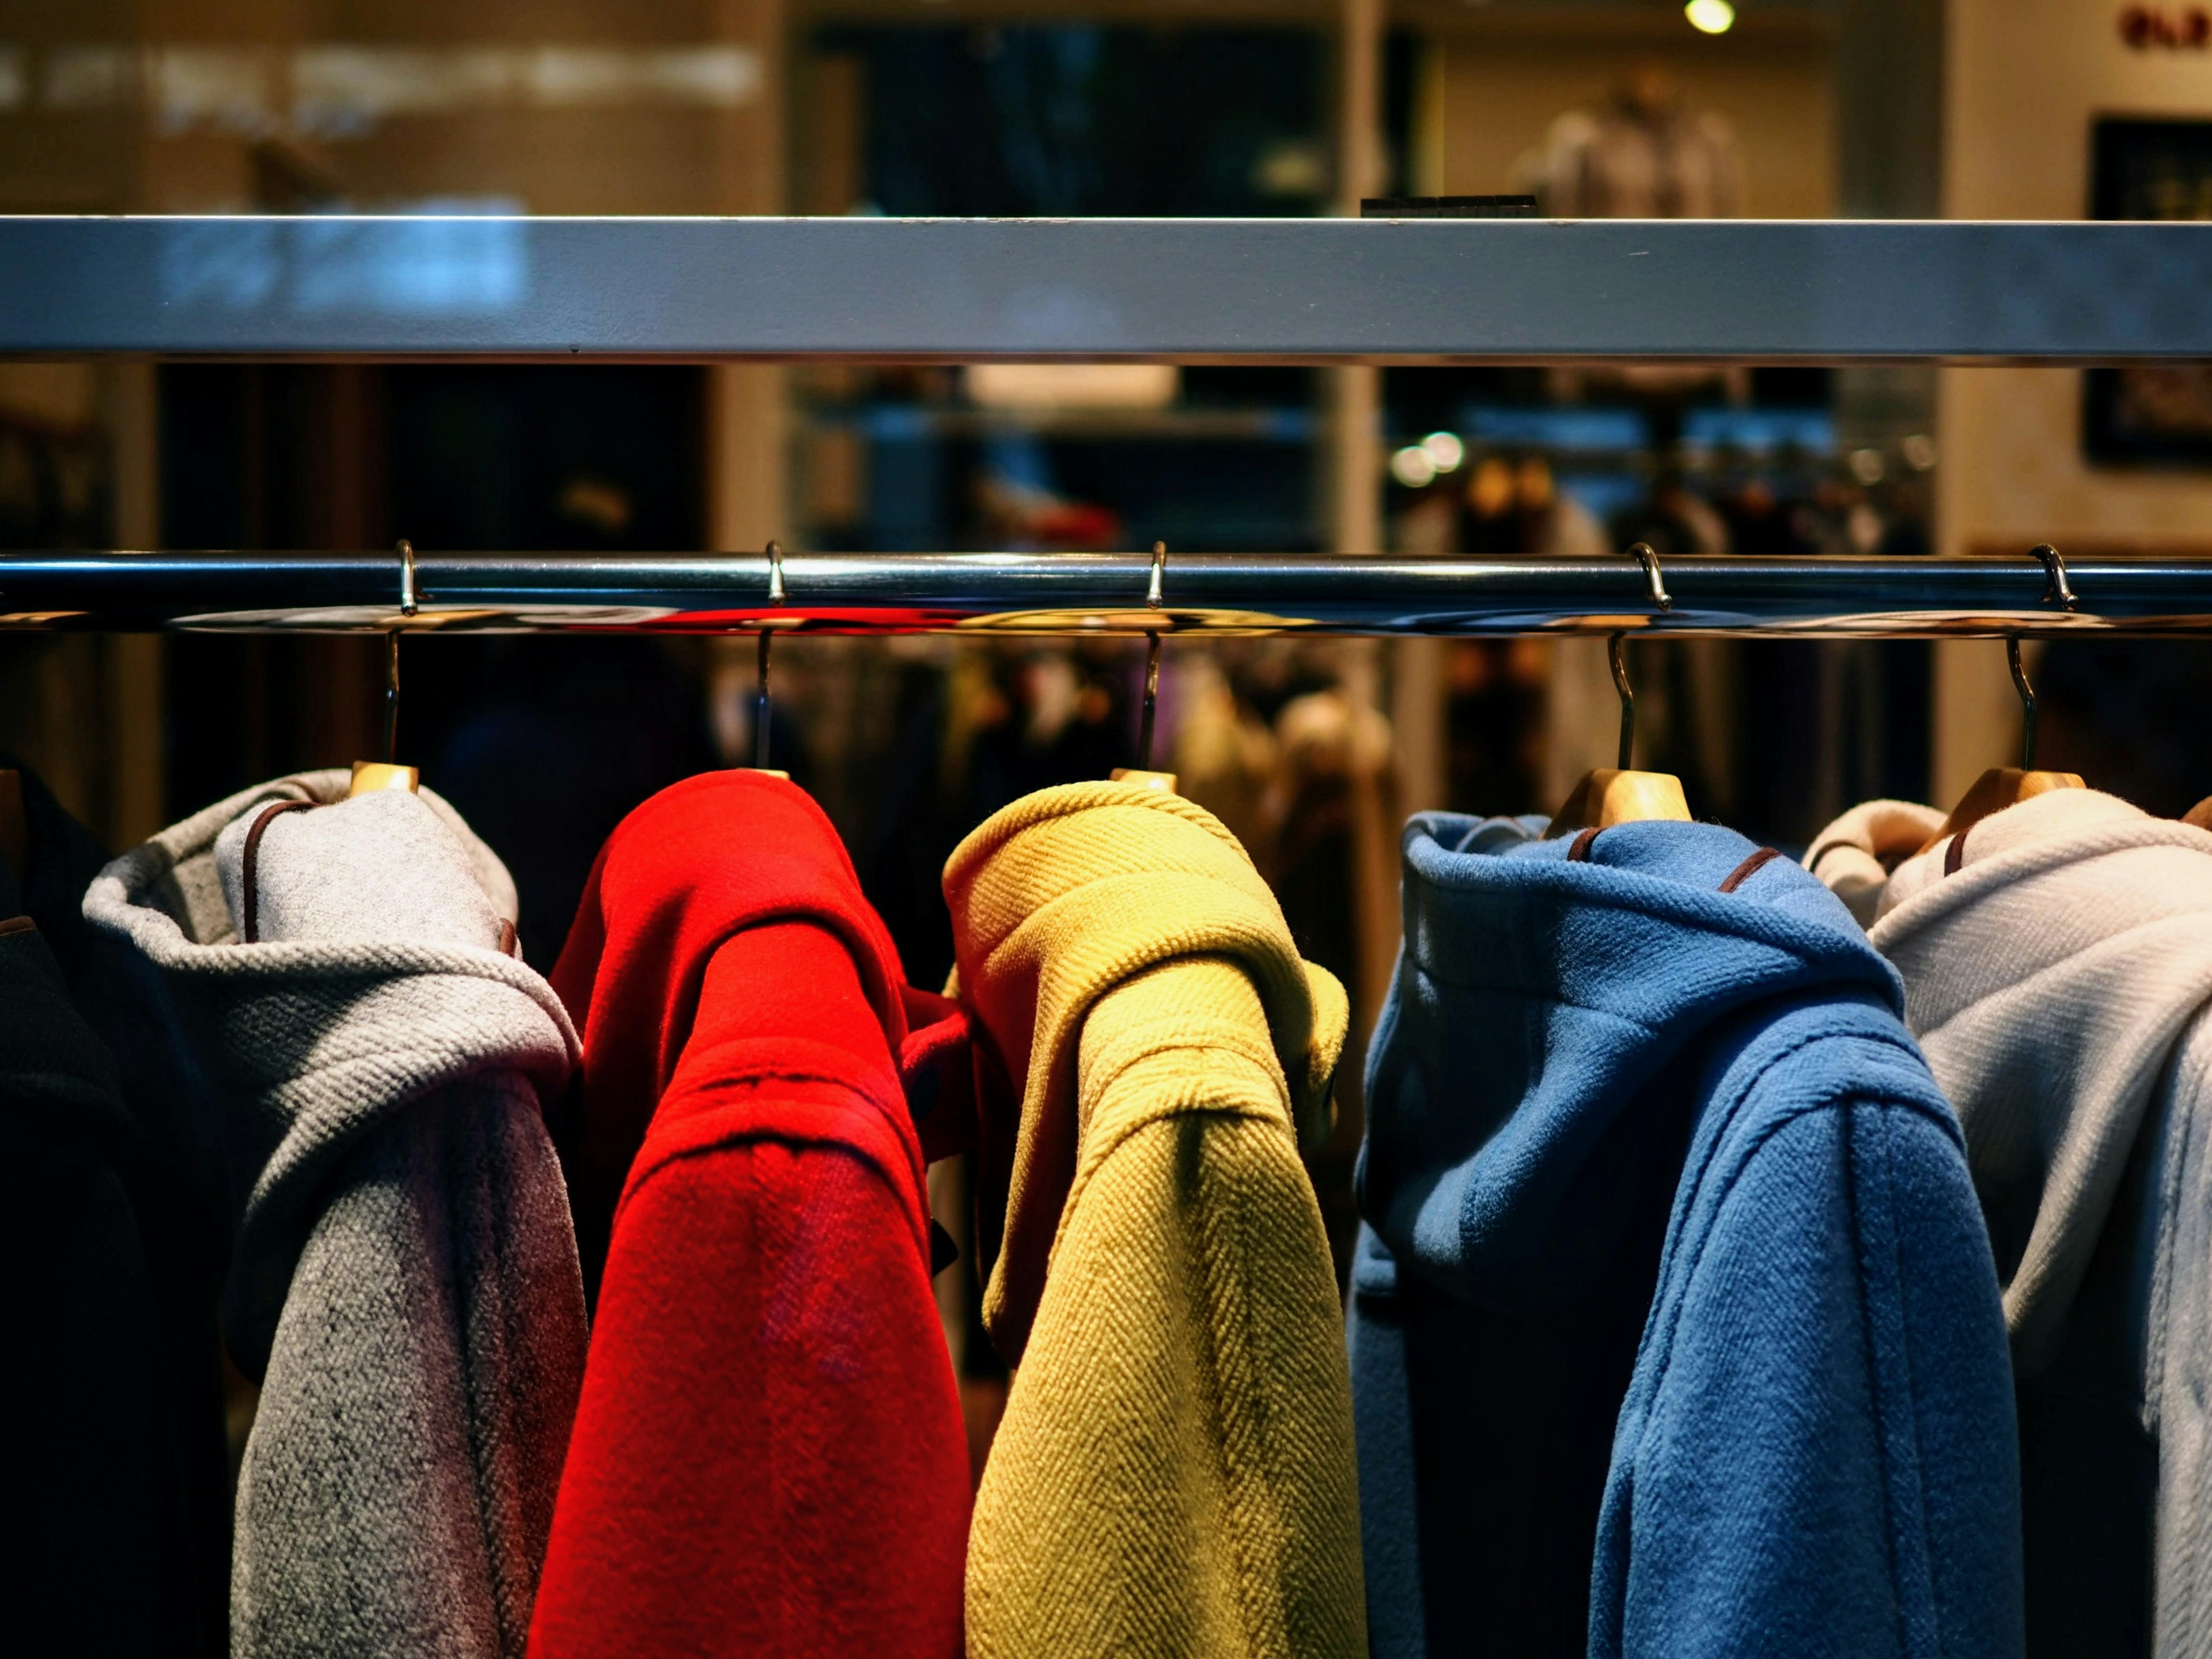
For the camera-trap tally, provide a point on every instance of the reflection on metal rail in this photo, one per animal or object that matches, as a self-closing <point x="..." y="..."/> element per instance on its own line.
<point x="1096" y="593"/>
<point x="964" y="290"/>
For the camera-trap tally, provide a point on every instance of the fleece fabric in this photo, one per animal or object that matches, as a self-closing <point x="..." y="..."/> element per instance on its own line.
<point x="94" y="1492"/>
<point x="769" y="1457"/>
<point x="1673" y="1327"/>
<point x="1174" y="1471"/>
<point x="2058" y="977"/>
<point x="403" y="1279"/>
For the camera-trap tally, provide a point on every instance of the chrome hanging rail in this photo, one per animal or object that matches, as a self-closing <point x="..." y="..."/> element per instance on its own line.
<point x="1101" y="593"/>
<point x="322" y="286"/>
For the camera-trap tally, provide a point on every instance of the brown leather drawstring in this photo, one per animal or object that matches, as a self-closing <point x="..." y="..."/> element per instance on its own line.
<point x="1750" y="867"/>
<point x="250" y="928"/>
<point x="1955" y="855"/>
<point x="1579" y="853"/>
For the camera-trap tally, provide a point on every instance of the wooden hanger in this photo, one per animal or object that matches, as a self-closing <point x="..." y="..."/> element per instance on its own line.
<point x="14" y="825"/>
<point x="1141" y="775"/>
<point x="2006" y="786"/>
<point x="1618" y="795"/>
<point x="369" y="776"/>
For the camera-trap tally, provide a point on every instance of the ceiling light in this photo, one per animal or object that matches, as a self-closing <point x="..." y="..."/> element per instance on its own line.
<point x="1413" y="466"/>
<point x="1445" y="449"/>
<point x="1709" y="16"/>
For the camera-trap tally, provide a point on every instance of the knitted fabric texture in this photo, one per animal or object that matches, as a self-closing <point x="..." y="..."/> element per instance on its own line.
<point x="403" y="1281"/>
<point x="1854" y="856"/>
<point x="769" y="1457"/>
<point x="1674" y="1329"/>
<point x="1174" y="1473"/>
<point x="2059" y="981"/>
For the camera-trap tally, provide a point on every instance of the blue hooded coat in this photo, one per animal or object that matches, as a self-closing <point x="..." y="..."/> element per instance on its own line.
<point x="1674" y="1327"/>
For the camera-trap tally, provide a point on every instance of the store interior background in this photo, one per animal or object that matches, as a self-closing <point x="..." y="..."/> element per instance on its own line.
<point x="1312" y="752"/>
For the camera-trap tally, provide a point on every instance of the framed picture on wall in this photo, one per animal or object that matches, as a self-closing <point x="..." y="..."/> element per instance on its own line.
<point x="2149" y="414"/>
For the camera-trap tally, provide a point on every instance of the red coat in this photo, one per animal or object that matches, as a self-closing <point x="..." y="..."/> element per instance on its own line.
<point x="769" y="1457"/>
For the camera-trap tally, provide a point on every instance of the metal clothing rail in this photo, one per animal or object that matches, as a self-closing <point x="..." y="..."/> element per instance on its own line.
<point x="1100" y="594"/>
<point x="951" y="290"/>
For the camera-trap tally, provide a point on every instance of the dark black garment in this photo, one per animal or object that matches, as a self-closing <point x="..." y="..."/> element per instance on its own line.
<point x="113" y="1227"/>
<point x="93" y="1500"/>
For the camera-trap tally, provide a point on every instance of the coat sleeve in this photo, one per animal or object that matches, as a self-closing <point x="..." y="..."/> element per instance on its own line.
<point x="398" y="1481"/>
<point x="769" y="1457"/>
<point x="1818" y="1453"/>
<point x="1174" y="1473"/>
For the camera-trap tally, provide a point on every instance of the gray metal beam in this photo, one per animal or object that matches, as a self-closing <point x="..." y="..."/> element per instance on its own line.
<point x="1076" y="592"/>
<point x="1314" y="290"/>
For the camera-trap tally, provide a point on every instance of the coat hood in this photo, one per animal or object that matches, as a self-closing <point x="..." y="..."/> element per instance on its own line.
<point x="1543" y="988"/>
<point x="676" y="879"/>
<point x="57" y="1082"/>
<point x="65" y="858"/>
<point x="2057" y="964"/>
<point x="381" y="972"/>
<point x="1056" y="900"/>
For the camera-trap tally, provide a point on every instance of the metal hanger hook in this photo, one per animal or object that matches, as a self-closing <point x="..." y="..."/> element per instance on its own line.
<point x="1646" y="555"/>
<point x="2058" y="588"/>
<point x="775" y="597"/>
<point x="1616" y="654"/>
<point x="1154" y="600"/>
<point x="2027" y="702"/>
<point x="409" y="604"/>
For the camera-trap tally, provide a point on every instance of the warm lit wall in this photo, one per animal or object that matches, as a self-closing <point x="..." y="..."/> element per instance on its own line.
<point x="2025" y="79"/>
<point x="1500" y="77"/>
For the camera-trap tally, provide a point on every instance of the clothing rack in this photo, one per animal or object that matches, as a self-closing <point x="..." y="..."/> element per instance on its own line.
<point x="1222" y="593"/>
<point x="1185" y="290"/>
<point x="1326" y="291"/>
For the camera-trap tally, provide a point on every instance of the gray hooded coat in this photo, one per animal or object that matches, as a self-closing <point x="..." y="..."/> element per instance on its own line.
<point x="403" y="1279"/>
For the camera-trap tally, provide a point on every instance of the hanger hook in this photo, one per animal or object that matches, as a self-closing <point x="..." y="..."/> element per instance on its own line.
<point x="409" y="604"/>
<point x="775" y="597"/>
<point x="2027" y="702"/>
<point x="1644" y="555"/>
<point x="1616" y="654"/>
<point x="2058" y="588"/>
<point x="1155" y="599"/>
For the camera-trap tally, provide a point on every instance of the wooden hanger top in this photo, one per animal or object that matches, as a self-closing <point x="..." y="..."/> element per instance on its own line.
<point x="1620" y="794"/>
<point x="369" y="776"/>
<point x="2006" y="786"/>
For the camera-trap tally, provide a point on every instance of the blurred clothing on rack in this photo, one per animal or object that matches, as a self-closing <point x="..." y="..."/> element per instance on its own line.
<point x="769" y="1457"/>
<point x="99" y="1560"/>
<point x="1643" y="154"/>
<point x="171" y="1189"/>
<point x="1174" y="1471"/>
<point x="2058" y="966"/>
<point x="545" y="744"/>
<point x="336" y="990"/>
<point x="1671" y="1246"/>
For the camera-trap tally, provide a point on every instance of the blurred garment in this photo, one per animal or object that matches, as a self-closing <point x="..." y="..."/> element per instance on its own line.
<point x="769" y="1457"/>
<point x="1630" y="158"/>
<point x="1670" y="1246"/>
<point x="1174" y="1471"/>
<point x="2057" y="965"/>
<point x="100" y="1544"/>
<point x="544" y="744"/>
<point x="332" y="980"/>
<point x="171" y="1189"/>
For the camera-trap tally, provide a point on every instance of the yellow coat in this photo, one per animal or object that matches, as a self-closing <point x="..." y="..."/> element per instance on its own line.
<point x="1173" y="1474"/>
